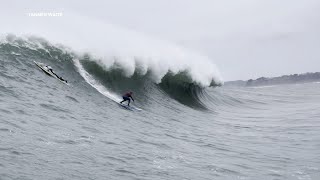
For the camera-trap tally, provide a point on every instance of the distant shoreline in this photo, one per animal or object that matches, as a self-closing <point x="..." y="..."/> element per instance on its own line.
<point x="285" y="79"/>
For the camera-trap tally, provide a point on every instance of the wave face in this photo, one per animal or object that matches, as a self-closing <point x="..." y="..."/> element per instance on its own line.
<point x="177" y="86"/>
<point x="185" y="130"/>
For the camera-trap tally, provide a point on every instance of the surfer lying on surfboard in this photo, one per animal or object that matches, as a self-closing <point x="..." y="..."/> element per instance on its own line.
<point x="50" y="69"/>
<point x="126" y="97"/>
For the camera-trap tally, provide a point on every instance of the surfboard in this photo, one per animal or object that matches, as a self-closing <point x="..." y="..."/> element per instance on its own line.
<point x="131" y="107"/>
<point x="126" y="107"/>
<point x="46" y="70"/>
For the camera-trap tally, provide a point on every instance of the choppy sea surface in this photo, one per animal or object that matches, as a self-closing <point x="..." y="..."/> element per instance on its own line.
<point x="49" y="130"/>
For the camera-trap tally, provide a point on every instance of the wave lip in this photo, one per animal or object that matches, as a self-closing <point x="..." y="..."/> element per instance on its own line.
<point x="199" y="69"/>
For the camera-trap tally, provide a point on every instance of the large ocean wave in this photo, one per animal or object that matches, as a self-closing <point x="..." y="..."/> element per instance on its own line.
<point x="112" y="76"/>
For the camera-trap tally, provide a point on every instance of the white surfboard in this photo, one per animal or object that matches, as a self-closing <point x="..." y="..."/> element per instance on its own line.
<point x="131" y="107"/>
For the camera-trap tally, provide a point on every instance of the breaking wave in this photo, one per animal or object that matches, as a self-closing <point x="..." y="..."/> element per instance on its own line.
<point x="114" y="75"/>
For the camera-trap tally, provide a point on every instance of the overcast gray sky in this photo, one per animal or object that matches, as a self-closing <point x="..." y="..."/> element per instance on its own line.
<point x="245" y="38"/>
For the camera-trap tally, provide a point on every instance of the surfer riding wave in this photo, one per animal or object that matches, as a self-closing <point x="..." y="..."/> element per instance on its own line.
<point x="126" y="97"/>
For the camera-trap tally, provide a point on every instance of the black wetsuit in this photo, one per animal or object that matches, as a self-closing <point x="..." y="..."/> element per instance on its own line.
<point x="127" y="97"/>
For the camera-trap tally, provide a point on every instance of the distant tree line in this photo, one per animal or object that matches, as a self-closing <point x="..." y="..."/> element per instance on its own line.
<point x="286" y="79"/>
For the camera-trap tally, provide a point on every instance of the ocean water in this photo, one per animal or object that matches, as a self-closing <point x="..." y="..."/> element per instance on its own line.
<point x="49" y="130"/>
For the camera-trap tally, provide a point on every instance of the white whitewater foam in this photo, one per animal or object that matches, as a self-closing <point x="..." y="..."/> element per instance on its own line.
<point x="90" y="80"/>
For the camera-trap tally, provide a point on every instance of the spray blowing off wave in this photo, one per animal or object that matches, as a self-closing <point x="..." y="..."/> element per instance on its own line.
<point x="109" y="45"/>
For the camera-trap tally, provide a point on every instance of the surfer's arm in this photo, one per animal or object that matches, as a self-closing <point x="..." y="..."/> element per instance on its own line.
<point x="132" y="98"/>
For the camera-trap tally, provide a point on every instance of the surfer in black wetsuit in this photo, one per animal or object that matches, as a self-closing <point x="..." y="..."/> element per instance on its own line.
<point x="50" y="69"/>
<point x="126" y="97"/>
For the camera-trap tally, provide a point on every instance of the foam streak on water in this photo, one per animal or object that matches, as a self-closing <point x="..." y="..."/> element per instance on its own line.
<point x="90" y="80"/>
